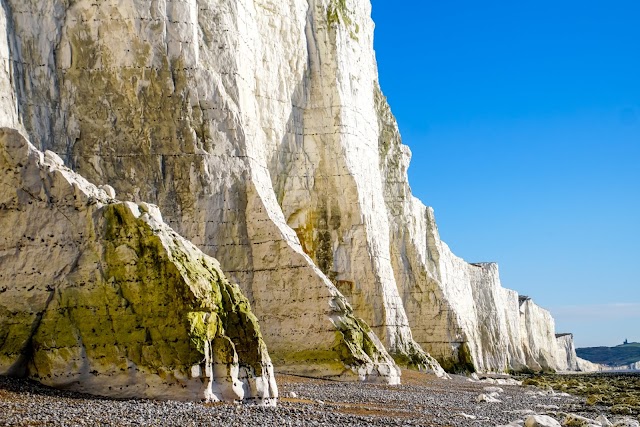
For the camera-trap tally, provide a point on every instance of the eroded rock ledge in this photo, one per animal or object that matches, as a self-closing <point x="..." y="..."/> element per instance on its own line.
<point x="101" y="296"/>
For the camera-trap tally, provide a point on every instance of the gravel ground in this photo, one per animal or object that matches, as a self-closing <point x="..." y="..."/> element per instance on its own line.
<point x="422" y="400"/>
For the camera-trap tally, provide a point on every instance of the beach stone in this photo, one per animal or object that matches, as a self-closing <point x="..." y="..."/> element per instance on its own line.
<point x="487" y="398"/>
<point x="541" y="421"/>
<point x="111" y="193"/>
<point x="466" y="416"/>
<point x="621" y="409"/>
<point x="573" y="420"/>
<point x="508" y="381"/>
<point x="548" y="407"/>
<point x="604" y="421"/>
<point x="626" y="422"/>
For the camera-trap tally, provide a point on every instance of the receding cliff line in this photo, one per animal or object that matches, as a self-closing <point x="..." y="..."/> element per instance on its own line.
<point x="260" y="131"/>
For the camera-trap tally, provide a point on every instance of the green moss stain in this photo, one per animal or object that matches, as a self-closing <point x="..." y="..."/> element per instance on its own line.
<point x="203" y="328"/>
<point x="352" y="347"/>
<point x="619" y="391"/>
<point x="389" y="140"/>
<point x="323" y="244"/>
<point x="317" y="236"/>
<point x="147" y="110"/>
<point x="338" y="14"/>
<point x="353" y="342"/>
<point x="155" y="306"/>
<point x="16" y="329"/>
<point x="136" y="311"/>
<point x="241" y="326"/>
<point x="461" y="362"/>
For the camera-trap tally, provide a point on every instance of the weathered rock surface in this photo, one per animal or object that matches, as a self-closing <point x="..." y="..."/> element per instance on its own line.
<point x="260" y="131"/>
<point x="566" y="358"/>
<point x="541" y="421"/>
<point x="100" y="296"/>
<point x="537" y="329"/>
<point x="574" y="420"/>
<point x="458" y="311"/>
<point x="587" y="366"/>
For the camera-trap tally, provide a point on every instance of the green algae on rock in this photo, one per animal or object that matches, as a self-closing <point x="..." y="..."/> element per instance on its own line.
<point x="619" y="390"/>
<point x="101" y="296"/>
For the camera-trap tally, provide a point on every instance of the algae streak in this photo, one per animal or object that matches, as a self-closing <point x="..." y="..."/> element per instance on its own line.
<point x="107" y="299"/>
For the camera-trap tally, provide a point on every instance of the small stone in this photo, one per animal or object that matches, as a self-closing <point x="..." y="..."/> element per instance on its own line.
<point x="626" y="422"/>
<point x="152" y="210"/>
<point x="604" y="422"/>
<point x="111" y="193"/>
<point x="548" y="407"/>
<point x="621" y="409"/>
<point x="53" y="158"/>
<point x="507" y="381"/>
<point x="467" y="416"/>
<point x="487" y="398"/>
<point x="541" y="421"/>
<point x="573" y="420"/>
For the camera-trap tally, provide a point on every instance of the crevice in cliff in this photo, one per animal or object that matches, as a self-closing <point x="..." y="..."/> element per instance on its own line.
<point x="16" y="73"/>
<point x="21" y="368"/>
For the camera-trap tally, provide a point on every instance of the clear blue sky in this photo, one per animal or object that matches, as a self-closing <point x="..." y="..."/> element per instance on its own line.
<point x="524" y="122"/>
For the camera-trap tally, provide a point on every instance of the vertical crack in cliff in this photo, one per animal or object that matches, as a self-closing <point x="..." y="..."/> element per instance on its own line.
<point x="21" y="366"/>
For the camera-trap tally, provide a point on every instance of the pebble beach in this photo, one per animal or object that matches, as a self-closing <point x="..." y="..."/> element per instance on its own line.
<point x="422" y="400"/>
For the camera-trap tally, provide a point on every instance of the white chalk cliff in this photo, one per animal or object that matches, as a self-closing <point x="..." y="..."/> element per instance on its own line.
<point x="259" y="129"/>
<point x="101" y="296"/>
<point x="567" y="358"/>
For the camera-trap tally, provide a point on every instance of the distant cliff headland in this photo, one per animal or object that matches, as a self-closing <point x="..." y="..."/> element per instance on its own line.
<point x="627" y="354"/>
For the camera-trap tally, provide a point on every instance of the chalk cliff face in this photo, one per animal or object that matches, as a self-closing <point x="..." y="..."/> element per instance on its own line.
<point x="567" y="358"/>
<point x="201" y="107"/>
<point x="458" y="311"/>
<point x="101" y="296"/>
<point x="587" y="366"/>
<point x="259" y="129"/>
